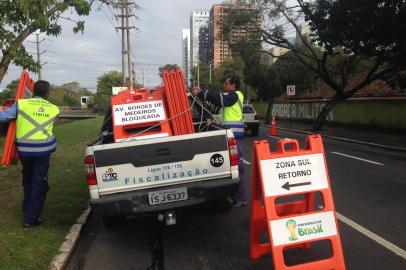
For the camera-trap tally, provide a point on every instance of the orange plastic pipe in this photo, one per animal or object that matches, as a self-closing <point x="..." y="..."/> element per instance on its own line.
<point x="24" y="90"/>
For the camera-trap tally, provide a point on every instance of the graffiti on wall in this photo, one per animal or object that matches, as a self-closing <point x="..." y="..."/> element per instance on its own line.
<point x="299" y="110"/>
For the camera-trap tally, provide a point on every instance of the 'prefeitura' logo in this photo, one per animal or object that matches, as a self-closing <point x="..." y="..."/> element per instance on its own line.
<point x="41" y="112"/>
<point x="303" y="229"/>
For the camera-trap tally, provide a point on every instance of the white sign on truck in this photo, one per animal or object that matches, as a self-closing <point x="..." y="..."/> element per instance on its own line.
<point x="140" y="112"/>
<point x="294" y="174"/>
<point x="117" y="89"/>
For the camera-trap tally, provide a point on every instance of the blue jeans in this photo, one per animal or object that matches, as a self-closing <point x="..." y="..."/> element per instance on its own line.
<point x="35" y="183"/>
<point x="241" y="194"/>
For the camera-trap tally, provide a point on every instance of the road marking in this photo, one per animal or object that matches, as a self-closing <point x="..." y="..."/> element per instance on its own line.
<point x="366" y="160"/>
<point x="385" y="243"/>
<point x="373" y="236"/>
<point x="275" y="137"/>
<point x="246" y="162"/>
<point x="392" y="247"/>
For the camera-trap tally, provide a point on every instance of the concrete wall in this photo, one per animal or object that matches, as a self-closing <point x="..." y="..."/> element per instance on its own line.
<point x="374" y="112"/>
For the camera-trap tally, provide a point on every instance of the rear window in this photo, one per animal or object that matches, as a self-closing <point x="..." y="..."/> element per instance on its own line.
<point x="248" y="109"/>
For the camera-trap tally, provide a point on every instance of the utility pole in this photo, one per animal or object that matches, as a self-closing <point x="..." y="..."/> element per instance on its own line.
<point x="37" y="42"/>
<point x="198" y="73"/>
<point x="130" y="75"/>
<point x="210" y="73"/>
<point x="133" y="71"/>
<point x="143" y="77"/>
<point x="122" y="45"/>
<point x="125" y="33"/>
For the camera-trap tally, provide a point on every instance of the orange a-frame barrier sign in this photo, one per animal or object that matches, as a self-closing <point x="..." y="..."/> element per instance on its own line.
<point x="287" y="173"/>
<point x="24" y="90"/>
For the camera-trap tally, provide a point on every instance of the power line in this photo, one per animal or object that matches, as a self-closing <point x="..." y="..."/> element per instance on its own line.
<point x="157" y="49"/>
<point x="158" y="18"/>
<point x="38" y="53"/>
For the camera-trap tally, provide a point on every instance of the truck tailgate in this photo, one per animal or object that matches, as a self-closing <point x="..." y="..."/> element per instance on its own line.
<point x="165" y="161"/>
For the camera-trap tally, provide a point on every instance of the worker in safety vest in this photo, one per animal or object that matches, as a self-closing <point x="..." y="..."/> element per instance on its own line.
<point x="35" y="143"/>
<point x="231" y="101"/>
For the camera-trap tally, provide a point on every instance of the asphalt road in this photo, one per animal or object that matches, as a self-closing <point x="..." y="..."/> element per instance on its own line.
<point x="369" y="188"/>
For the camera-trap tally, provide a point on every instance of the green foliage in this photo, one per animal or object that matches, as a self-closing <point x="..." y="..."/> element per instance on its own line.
<point x="10" y="90"/>
<point x="167" y="67"/>
<point x="241" y="19"/>
<point x="70" y="101"/>
<point x="204" y="77"/>
<point x="371" y="28"/>
<point x="21" y="18"/>
<point x="291" y="71"/>
<point x="58" y="95"/>
<point x="229" y="67"/>
<point x="68" y="197"/>
<point x="104" y="87"/>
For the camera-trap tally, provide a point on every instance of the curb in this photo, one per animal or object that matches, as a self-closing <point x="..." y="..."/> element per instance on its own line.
<point x="65" y="250"/>
<point x="345" y="139"/>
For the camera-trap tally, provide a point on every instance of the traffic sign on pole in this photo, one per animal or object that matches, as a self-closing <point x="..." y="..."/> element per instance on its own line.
<point x="291" y="90"/>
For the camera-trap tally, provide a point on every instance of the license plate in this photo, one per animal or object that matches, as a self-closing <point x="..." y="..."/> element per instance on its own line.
<point x="168" y="196"/>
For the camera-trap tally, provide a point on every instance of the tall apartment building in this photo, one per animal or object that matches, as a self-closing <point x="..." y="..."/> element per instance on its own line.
<point x="277" y="51"/>
<point x="304" y="31"/>
<point x="186" y="54"/>
<point x="198" y="19"/>
<point x="220" y="47"/>
<point x="204" y="45"/>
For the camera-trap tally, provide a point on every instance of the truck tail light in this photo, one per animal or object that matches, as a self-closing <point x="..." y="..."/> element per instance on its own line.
<point x="232" y="148"/>
<point x="256" y="117"/>
<point x="90" y="172"/>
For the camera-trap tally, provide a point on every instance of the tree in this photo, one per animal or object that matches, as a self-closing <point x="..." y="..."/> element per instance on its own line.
<point x="10" y="90"/>
<point x="167" y="67"/>
<point x="291" y="71"/>
<point x="350" y="32"/>
<point x="70" y="101"/>
<point x="104" y="89"/>
<point x="204" y="77"/>
<point x="19" y="19"/>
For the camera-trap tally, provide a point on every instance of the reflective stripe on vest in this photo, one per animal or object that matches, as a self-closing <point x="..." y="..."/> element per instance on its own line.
<point x="35" y="121"/>
<point x="233" y="117"/>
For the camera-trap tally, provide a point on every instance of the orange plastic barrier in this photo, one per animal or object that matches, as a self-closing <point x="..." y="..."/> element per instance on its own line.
<point x="24" y="90"/>
<point x="178" y="104"/>
<point x="139" y="113"/>
<point x="279" y="176"/>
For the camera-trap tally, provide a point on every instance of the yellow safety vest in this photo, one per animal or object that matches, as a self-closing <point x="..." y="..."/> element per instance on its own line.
<point x="233" y="117"/>
<point x="35" y="121"/>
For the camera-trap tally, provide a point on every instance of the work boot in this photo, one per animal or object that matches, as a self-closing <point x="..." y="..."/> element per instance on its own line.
<point x="32" y="225"/>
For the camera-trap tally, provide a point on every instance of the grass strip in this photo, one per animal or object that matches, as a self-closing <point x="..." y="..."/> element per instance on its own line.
<point x="34" y="248"/>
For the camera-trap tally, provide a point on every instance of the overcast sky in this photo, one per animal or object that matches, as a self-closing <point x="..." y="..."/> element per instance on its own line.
<point x="83" y="57"/>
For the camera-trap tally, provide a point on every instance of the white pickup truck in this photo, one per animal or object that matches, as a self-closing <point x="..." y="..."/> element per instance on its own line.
<point x="158" y="175"/>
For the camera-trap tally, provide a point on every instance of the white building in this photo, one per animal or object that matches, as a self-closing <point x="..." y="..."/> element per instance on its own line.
<point x="277" y="51"/>
<point x="304" y="31"/>
<point x="198" y="18"/>
<point x="186" y="54"/>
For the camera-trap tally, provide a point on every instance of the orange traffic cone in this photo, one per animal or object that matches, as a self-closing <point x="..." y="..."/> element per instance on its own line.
<point x="272" y="130"/>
